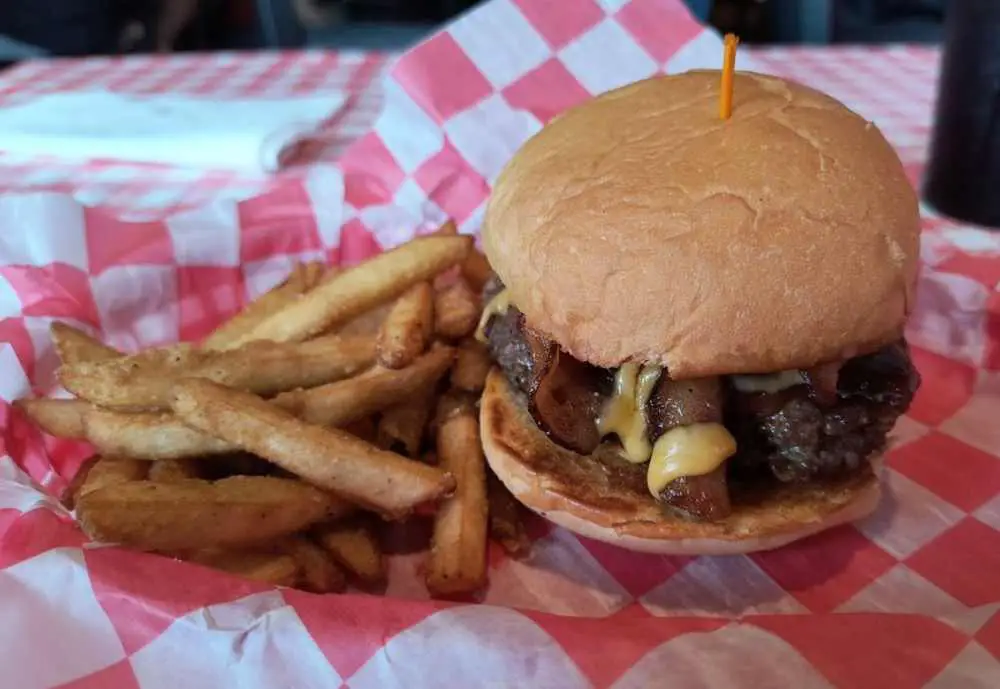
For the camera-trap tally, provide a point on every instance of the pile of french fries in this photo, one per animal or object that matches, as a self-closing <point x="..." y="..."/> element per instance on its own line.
<point x="277" y="449"/>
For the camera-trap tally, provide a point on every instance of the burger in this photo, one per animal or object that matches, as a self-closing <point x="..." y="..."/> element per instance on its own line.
<point x="697" y="323"/>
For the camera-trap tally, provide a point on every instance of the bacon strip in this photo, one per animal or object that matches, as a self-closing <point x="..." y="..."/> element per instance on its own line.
<point x="682" y="403"/>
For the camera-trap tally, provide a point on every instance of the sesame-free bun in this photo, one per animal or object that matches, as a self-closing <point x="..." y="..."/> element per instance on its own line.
<point x="641" y="227"/>
<point x="605" y="498"/>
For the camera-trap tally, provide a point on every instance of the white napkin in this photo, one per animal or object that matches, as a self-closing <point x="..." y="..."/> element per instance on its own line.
<point x="248" y="134"/>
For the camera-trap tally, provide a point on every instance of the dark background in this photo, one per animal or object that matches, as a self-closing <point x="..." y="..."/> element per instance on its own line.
<point x="79" y="27"/>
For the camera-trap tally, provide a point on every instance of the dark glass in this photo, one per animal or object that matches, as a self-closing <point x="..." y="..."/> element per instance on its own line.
<point x="963" y="177"/>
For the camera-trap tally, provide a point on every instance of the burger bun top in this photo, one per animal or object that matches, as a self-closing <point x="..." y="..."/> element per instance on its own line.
<point x="641" y="227"/>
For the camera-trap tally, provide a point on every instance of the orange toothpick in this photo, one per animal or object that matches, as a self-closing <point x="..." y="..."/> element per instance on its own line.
<point x="728" y="69"/>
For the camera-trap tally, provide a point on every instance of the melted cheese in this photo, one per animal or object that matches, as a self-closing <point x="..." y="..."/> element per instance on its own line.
<point x="693" y="450"/>
<point x="769" y="383"/>
<point x="496" y="306"/>
<point x="624" y="414"/>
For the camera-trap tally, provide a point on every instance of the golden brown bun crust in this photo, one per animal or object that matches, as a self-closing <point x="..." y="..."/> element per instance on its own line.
<point x="610" y="503"/>
<point x="642" y="227"/>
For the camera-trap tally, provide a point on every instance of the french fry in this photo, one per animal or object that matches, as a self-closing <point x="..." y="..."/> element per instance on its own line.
<point x="108" y="472"/>
<point x="472" y="365"/>
<point x="449" y="229"/>
<point x="328" y="458"/>
<point x="69" y="495"/>
<point x="364" y="428"/>
<point x="451" y="403"/>
<point x="169" y="470"/>
<point x="457" y="562"/>
<point x="330" y="273"/>
<point x="456" y="310"/>
<point x="144" y="381"/>
<point x="353" y="545"/>
<point x="476" y="270"/>
<point x="149" y="436"/>
<point x="162" y="436"/>
<point x="274" y="568"/>
<point x="506" y="525"/>
<point x="297" y="277"/>
<point x="318" y="573"/>
<point x="407" y="329"/>
<point x="227" y="334"/>
<point x="361" y="288"/>
<point x="74" y="345"/>
<point x="312" y="273"/>
<point x="174" y="470"/>
<point x="367" y="323"/>
<point x="61" y="418"/>
<point x="190" y="515"/>
<point x="401" y="428"/>
<point x="345" y="401"/>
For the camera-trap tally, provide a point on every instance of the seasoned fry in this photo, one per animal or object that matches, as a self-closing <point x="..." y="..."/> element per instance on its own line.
<point x="340" y="403"/>
<point x="476" y="270"/>
<point x="353" y="546"/>
<point x="111" y="471"/>
<point x="74" y="345"/>
<point x="457" y="562"/>
<point x="327" y="458"/>
<point x="61" y="418"/>
<point x="227" y="334"/>
<point x="312" y="273"/>
<point x="449" y="229"/>
<point x="160" y="436"/>
<point x="472" y="364"/>
<point x="456" y="310"/>
<point x="190" y="515"/>
<point x="401" y="428"/>
<point x="69" y="495"/>
<point x="144" y="381"/>
<point x="274" y="568"/>
<point x="174" y="470"/>
<point x="451" y="403"/>
<point x="330" y="273"/>
<point x="148" y="435"/>
<point x="408" y="327"/>
<point x="361" y="288"/>
<point x="296" y="277"/>
<point x="318" y="572"/>
<point x="506" y="525"/>
<point x="364" y="428"/>
<point x="367" y="323"/>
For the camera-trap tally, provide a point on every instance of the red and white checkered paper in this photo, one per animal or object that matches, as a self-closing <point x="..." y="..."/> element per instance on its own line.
<point x="907" y="598"/>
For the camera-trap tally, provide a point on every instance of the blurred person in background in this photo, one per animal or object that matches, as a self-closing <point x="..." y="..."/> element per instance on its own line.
<point x="75" y="27"/>
<point x="96" y="27"/>
<point x="173" y="17"/>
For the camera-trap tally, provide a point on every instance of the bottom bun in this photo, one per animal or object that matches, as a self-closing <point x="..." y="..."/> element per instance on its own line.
<point x="601" y="496"/>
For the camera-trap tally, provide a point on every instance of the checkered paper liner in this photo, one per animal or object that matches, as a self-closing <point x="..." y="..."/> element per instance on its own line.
<point x="907" y="598"/>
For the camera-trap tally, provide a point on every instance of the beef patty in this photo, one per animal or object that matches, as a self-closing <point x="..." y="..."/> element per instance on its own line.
<point x="824" y="427"/>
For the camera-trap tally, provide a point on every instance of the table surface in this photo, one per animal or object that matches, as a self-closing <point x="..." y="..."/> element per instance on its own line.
<point x="893" y="86"/>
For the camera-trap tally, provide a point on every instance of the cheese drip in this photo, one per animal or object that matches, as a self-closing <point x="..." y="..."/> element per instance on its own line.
<point x="624" y="414"/>
<point x="693" y="450"/>
<point x="497" y="306"/>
